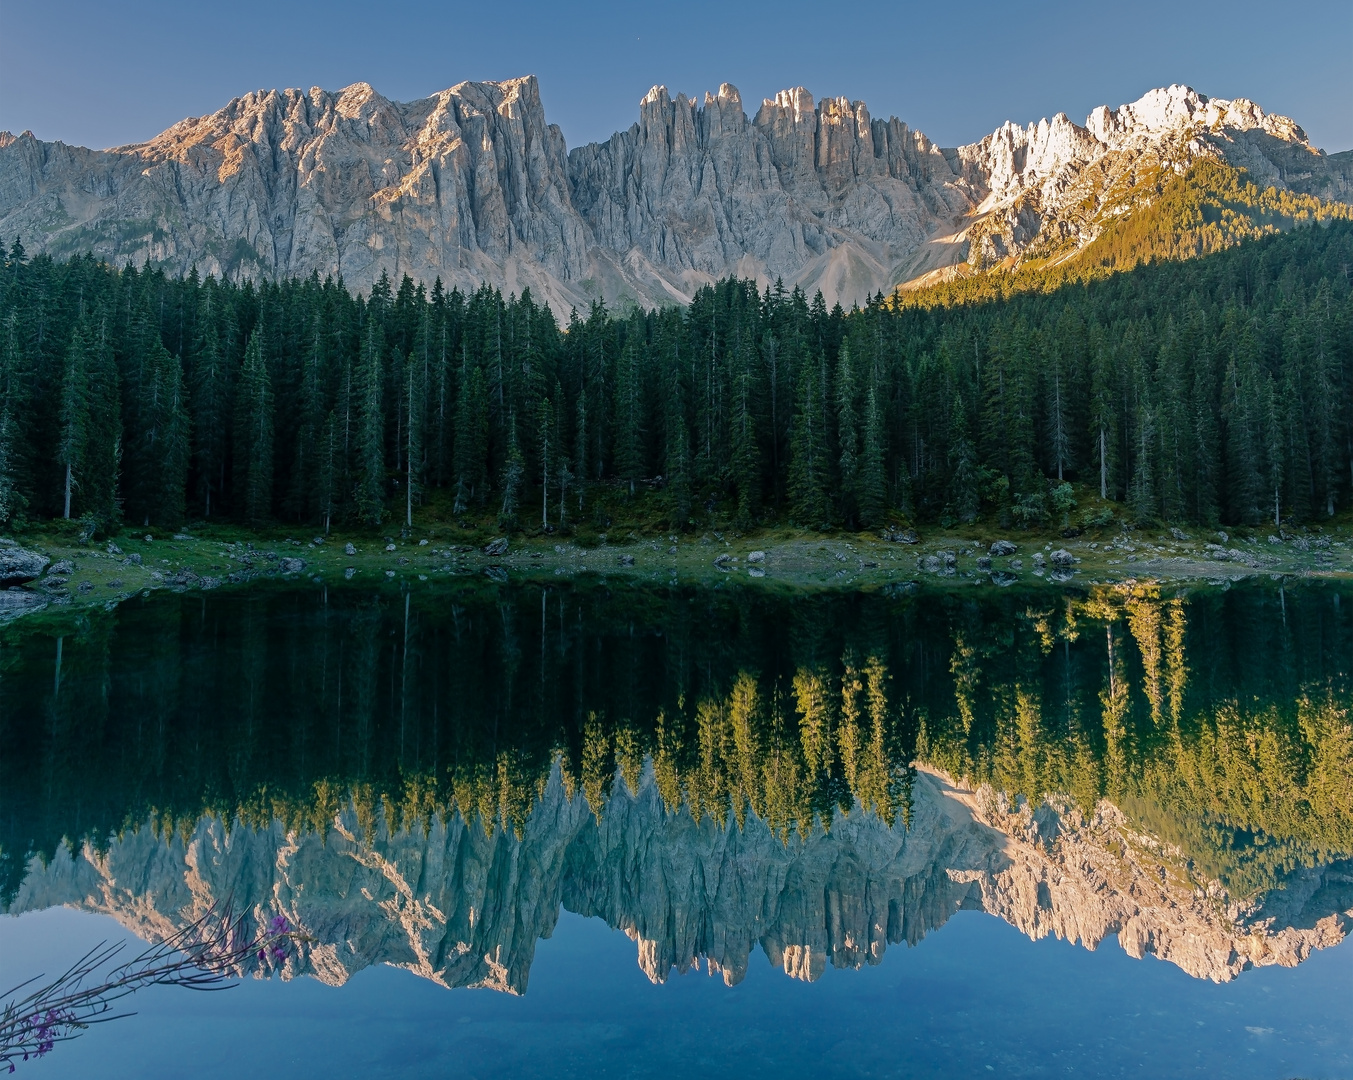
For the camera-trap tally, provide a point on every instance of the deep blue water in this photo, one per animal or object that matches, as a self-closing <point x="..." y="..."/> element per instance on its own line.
<point x="975" y="998"/>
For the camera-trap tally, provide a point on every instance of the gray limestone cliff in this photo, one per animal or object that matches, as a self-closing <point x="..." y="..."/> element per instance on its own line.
<point x="473" y="185"/>
<point x="465" y="907"/>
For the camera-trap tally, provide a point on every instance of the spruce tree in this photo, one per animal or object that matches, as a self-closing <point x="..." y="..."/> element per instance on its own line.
<point x="15" y="460"/>
<point x="167" y="441"/>
<point x="254" y="435"/>
<point x="746" y="453"/>
<point x="471" y="440"/>
<point x="91" y="427"/>
<point x="808" y="454"/>
<point x="414" y="388"/>
<point x="74" y="416"/>
<point x="871" y="489"/>
<point x="330" y="470"/>
<point x="848" y="437"/>
<point x="212" y="385"/>
<point x="514" y="472"/>
<point x="629" y="425"/>
<point x="369" y="382"/>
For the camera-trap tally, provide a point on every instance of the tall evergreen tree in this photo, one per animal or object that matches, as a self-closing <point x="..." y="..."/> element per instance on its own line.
<point x="15" y="459"/>
<point x="514" y="472"/>
<point x="370" y="450"/>
<point x="254" y="435"/>
<point x="74" y="416"/>
<point x="848" y="436"/>
<point x="808" y="454"/>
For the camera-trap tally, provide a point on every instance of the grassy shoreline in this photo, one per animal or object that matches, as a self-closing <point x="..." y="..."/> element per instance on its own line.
<point x="106" y="572"/>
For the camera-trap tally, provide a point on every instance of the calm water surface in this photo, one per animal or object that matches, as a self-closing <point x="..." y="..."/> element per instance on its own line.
<point x="579" y="831"/>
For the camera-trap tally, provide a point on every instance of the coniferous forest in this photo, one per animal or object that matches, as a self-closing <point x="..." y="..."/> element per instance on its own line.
<point x="1218" y="389"/>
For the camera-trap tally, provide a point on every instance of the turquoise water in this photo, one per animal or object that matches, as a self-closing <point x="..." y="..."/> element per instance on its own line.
<point x="907" y="801"/>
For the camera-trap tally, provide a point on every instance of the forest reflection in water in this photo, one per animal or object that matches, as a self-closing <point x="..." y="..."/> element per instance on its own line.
<point x="424" y="777"/>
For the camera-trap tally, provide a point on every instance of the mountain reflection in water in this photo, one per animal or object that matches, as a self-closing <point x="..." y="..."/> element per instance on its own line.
<point x="423" y="779"/>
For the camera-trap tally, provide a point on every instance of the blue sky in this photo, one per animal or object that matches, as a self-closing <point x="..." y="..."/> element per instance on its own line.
<point x="103" y="72"/>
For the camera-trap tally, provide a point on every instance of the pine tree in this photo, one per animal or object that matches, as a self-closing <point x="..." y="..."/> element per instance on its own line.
<point x="514" y="471"/>
<point x="330" y="470"/>
<point x="964" y="481"/>
<point x="414" y="387"/>
<point x="370" y="450"/>
<point x="629" y="426"/>
<point x="808" y="454"/>
<point x="746" y="453"/>
<point x="254" y="434"/>
<point x="310" y="407"/>
<point x="847" y="433"/>
<point x="871" y="489"/>
<point x="545" y="443"/>
<point x="15" y="461"/>
<point x="471" y="440"/>
<point x="211" y="384"/>
<point x="103" y="435"/>
<point x="1104" y="419"/>
<point x="167" y="441"/>
<point x="74" y="416"/>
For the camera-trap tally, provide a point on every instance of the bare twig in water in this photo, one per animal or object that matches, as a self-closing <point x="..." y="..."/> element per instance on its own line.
<point x="207" y="954"/>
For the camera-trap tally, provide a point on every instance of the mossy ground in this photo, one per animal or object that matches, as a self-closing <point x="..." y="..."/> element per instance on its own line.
<point x="626" y="540"/>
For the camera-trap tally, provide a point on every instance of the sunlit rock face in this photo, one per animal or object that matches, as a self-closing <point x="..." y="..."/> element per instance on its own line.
<point x="474" y="185"/>
<point x="465" y="907"/>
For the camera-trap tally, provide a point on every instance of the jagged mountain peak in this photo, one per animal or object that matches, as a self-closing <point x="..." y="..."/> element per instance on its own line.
<point x="463" y="905"/>
<point x="1178" y="106"/>
<point x="472" y="184"/>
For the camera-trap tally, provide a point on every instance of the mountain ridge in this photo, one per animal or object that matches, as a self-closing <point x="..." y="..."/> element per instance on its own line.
<point x="473" y="184"/>
<point x="464" y="905"/>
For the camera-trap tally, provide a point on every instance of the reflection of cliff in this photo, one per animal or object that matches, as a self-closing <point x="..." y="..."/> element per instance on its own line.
<point x="465" y="909"/>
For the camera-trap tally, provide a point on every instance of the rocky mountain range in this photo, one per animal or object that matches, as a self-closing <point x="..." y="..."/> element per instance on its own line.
<point x="474" y="185"/>
<point x="465" y="906"/>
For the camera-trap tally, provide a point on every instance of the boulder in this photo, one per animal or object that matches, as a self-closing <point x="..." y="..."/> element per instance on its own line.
<point x="496" y="547"/>
<point x="16" y="601"/>
<point x="293" y="566"/>
<point x="1002" y="548"/>
<point x="900" y="536"/>
<point x="19" y="565"/>
<point x="756" y="556"/>
<point x="348" y="549"/>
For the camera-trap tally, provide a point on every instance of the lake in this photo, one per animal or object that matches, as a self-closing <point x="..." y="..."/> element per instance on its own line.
<point x="579" y="830"/>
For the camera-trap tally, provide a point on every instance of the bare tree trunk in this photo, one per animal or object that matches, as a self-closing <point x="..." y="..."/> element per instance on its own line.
<point x="68" y="485"/>
<point x="1103" y="467"/>
<point x="408" y="464"/>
